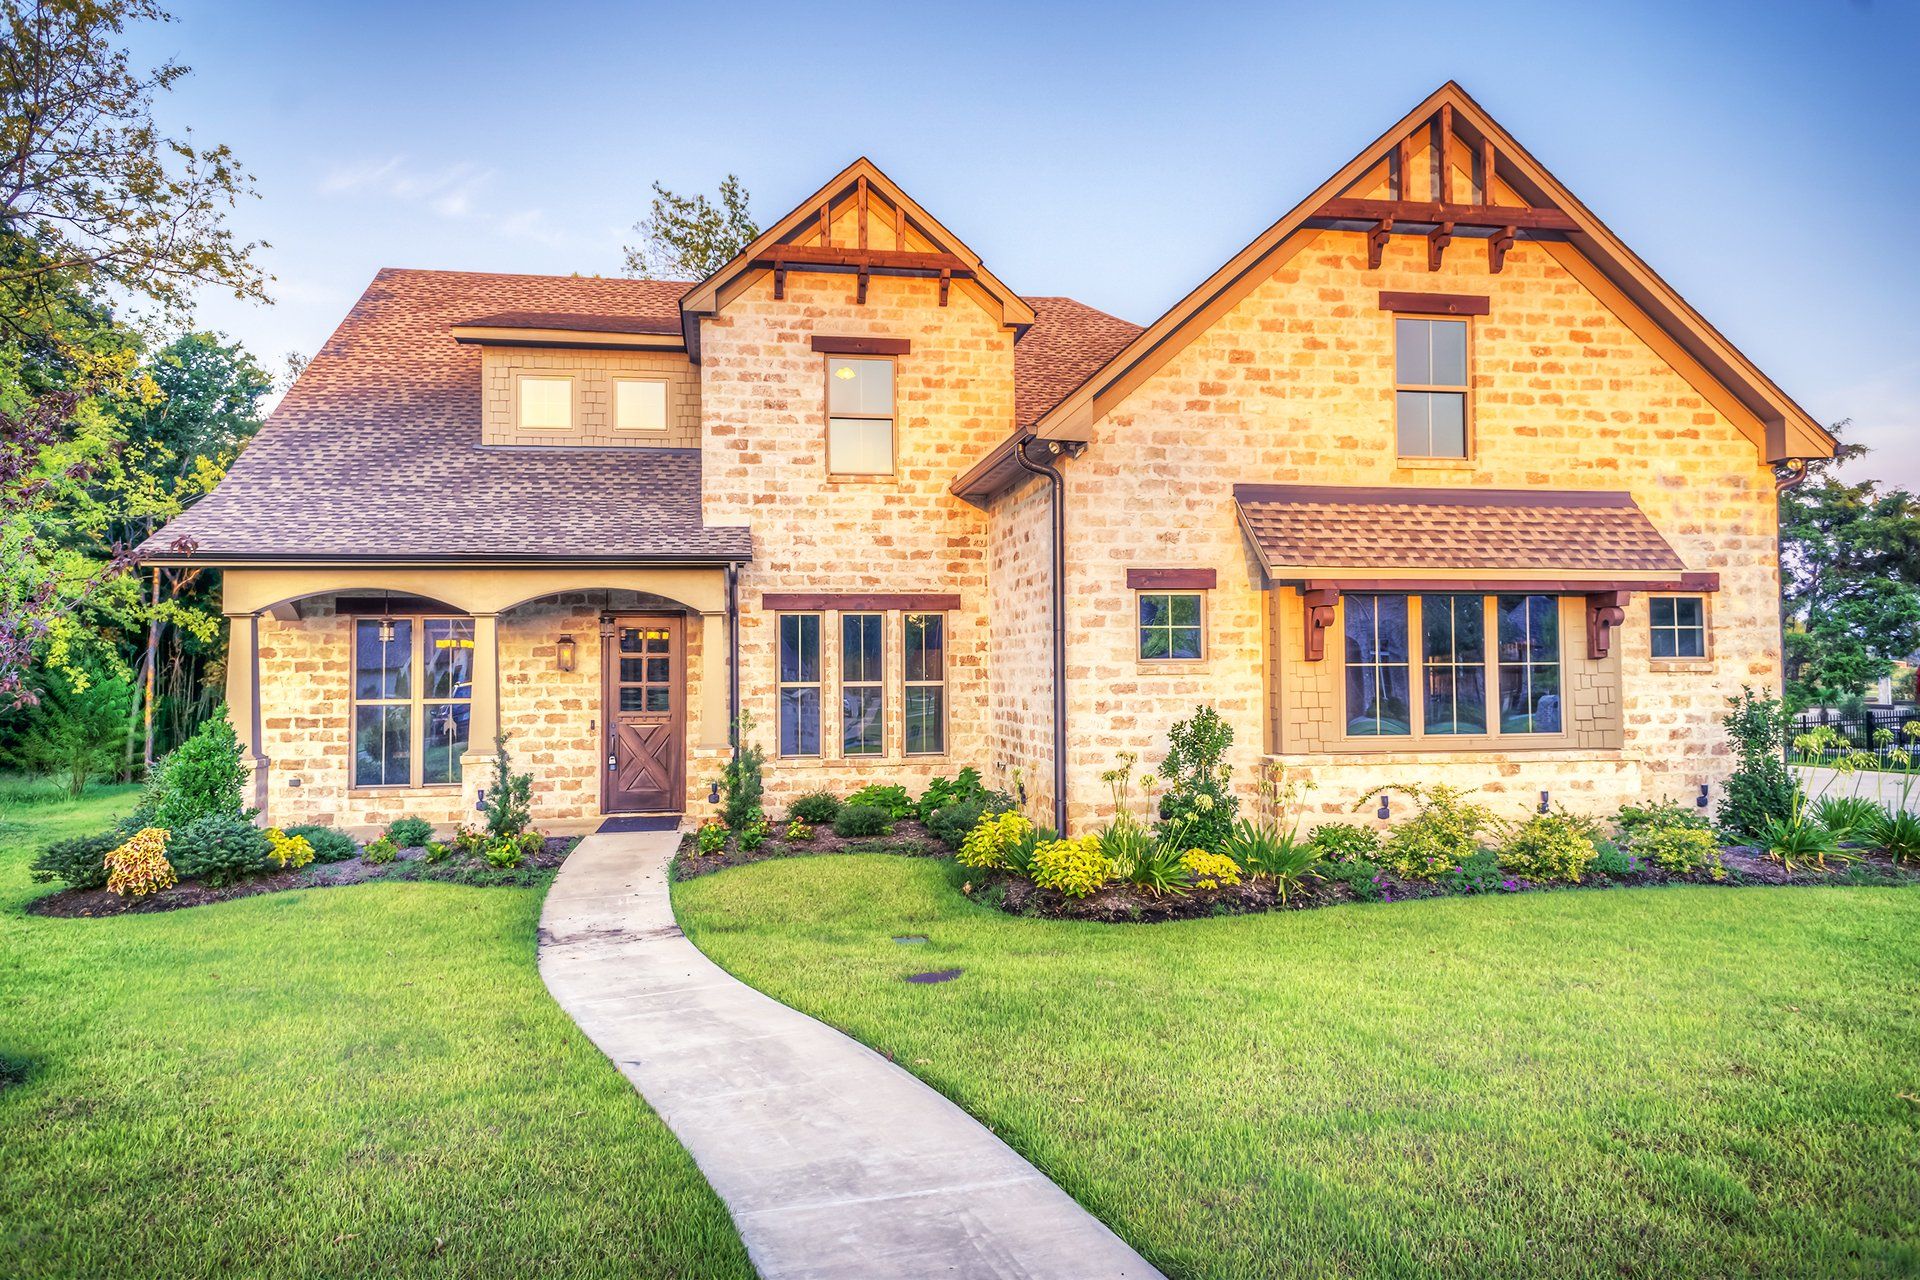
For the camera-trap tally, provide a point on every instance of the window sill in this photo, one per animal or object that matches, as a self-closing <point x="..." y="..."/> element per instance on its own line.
<point x="837" y="478"/>
<point x="1171" y="666"/>
<point x="1437" y="464"/>
<point x="431" y="789"/>
<point x="1684" y="666"/>
<point x="1463" y="745"/>
<point x="1561" y="753"/>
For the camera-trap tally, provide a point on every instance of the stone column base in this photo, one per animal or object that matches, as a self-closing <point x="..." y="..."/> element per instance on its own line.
<point x="476" y="778"/>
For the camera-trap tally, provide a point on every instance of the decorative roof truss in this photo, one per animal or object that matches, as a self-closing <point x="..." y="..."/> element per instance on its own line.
<point x="1422" y="176"/>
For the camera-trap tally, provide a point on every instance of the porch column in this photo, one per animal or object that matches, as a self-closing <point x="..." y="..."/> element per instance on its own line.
<point x="483" y="712"/>
<point x="714" y="677"/>
<point x="243" y="704"/>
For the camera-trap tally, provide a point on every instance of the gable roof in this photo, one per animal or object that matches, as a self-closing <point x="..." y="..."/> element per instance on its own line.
<point x="375" y="452"/>
<point x="1699" y="351"/>
<point x="1068" y="342"/>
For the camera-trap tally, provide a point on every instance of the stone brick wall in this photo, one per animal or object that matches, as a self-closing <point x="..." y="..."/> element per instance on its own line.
<point x="763" y="390"/>
<point x="1295" y="385"/>
<point x="593" y="374"/>
<point x="1020" y="659"/>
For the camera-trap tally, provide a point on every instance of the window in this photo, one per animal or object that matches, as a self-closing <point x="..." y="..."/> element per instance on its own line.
<point x="546" y="404"/>
<point x="1377" y="679"/>
<point x="410" y="732"/>
<point x="863" y="699"/>
<point x="859" y="416"/>
<point x="1453" y="653"/>
<point x="924" y="638"/>
<point x="645" y="677"/>
<point x="1430" y="387"/>
<point x="1169" y="625"/>
<point x="799" y="684"/>
<point x="1529" y="637"/>
<point x="639" y="404"/>
<point x="1679" y="626"/>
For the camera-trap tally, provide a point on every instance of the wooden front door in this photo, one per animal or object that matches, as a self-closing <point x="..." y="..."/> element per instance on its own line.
<point x="644" y="700"/>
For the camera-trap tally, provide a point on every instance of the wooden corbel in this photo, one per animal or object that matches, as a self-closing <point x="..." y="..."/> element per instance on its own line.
<point x="1605" y="611"/>
<point x="946" y="282"/>
<point x="1437" y="241"/>
<point x="1497" y="245"/>
<point x="860" y="295"/>
<point x="1319" y="608"/>
<point x="1377" y="242"/>
<point x="779" y="283"/>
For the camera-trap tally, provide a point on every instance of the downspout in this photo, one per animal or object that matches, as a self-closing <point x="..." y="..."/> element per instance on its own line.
<point x="733" y="659"/>
<point x="1059" y="496"/>
<point x="1796" y="475"/>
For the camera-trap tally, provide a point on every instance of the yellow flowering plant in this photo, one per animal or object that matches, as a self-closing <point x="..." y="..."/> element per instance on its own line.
<point x="289" y="853"/>
<point x="985" y="847"/>
<point x="140" y="867"/>
<point x="1074" y="867"/>
<point x="1210" y="870"/>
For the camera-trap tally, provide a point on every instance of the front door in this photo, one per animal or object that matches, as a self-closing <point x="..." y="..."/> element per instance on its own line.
<point x="644" y="700"/>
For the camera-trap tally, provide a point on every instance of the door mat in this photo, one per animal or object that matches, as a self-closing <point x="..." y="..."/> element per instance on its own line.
<point x="622" y="826"/>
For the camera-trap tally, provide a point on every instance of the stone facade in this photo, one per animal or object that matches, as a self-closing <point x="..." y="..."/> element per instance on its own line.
<point x="1020" y="666"/>
<point x="593" y="374"/>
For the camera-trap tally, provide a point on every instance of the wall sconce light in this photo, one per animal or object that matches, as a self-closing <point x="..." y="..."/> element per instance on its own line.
<point x="713" y="793"/>
<point x="1701" y="801"/>
<point x="480" y="800"/>
<point x="1384" y="811"/>
<point x="1545" y="805"/>
<point x="566" y="652"/>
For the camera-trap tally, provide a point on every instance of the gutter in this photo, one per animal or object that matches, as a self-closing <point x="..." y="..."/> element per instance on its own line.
<point x="1057" y="485"/>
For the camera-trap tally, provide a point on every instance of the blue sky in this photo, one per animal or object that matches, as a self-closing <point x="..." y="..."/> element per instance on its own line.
<point x="1763" y="157"/>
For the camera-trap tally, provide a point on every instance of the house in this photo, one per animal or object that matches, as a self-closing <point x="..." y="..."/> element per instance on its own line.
<point x="1435" y="481"/>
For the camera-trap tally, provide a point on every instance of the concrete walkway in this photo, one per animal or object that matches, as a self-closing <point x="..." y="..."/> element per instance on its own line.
<point x="835" y="1162"/>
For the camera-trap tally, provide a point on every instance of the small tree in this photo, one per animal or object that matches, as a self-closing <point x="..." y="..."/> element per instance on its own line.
<point x="77" y="728"/>
<point x="741" y="782"/>
<point x="509" y="805"/>
<point x="1761" y="788"/>
<point x="202" y="777"/>
<point x="1199" y="791"/>
<point x="691" y="237"/>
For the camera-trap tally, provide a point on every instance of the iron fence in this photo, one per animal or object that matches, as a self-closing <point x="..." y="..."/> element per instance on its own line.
<point x="1860" y="727"/>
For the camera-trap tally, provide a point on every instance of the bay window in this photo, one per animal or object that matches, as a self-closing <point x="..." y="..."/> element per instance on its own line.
<point x="1458" y="666"/>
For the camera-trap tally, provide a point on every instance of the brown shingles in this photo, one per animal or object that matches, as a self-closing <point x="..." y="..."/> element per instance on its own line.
<point x="1433" y="529"/>
<point x="1067" y="344"/>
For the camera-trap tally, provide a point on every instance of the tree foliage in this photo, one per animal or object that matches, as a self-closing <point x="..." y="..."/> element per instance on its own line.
<point x="691" y="237"/>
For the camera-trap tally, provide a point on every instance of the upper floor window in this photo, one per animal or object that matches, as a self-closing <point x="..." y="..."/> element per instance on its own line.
<point x="859" y="416"/>
<point x="1430" y="387"/>
<point x="639" y="404"/>
<point x="1679" y="626"/>
<point x="545" y="404"/>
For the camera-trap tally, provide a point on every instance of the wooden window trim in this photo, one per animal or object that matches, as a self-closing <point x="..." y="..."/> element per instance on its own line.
<point x="666" y="404"/>
<point x="860" y="602"/>
<point x="521" y="376"/>
<point x="1705" y="661"/>
<point x="839" y="626"/>
<point x="1469" y="441"/>
<point x="851" y="346"/>
<point x="892" y="473"/>
<point x="818" y="684"/>
<point x="943" y="684"/>
<point x="1172" y="579"/>
<point x="1206" y="648"/>
<point x="417" y="701"/>
<point x="1451" y="305"/>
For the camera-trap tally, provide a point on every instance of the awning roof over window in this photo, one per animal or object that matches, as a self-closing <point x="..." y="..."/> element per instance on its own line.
<point x="1548" y="539"/>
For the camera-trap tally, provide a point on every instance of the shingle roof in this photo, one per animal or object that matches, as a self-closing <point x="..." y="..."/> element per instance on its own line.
<point x="375" y="451"/>
<point x="581" y="321"/>
<point x="1067" y="344"/>
<point x="1396" y="529"/>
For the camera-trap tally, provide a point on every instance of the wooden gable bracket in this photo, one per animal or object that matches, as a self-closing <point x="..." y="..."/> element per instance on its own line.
<point x="1497" y="246"/>
<point x="1320" y="602"/>
<point x="1377" y="242"/>
<point x="779" y="283"/>
<point x="1437" y="241"/>
<point x="862" y="205"/>
<point x="946" y="283"/>
<point x="1605" y="611"/>
<point x="861" y="296"/>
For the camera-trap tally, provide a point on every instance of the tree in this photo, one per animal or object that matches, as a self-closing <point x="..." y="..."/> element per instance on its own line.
<point x="691" y="237"/>
<point x="75" y="729"/>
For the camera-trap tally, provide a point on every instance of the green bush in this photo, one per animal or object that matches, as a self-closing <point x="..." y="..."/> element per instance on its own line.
<point x="1358" y="875"/>
<point x="742" y="782"/>
<point x="509" y="802"/>
<point x="201" y="778"/>
<point x="1265" y="850"/>
<point x="1199" y="805"/>
<point x="503" y="853"/>
<point x="1075" y="868"/>
<point x="1547" y="847"/>
<point x="380" y="852"/>
<point x="1633" y="818"/>
<point x="1761" y="790"/>
<point x="1443" y="833"/>
<point x="856" y="820"/>
<point x="1850" y="818"/>
<point x="942" y="792"/>
<point x="985" y="846"/>
<point x="816" y="807"/>
<point x="410" y="833"/>
<point x="712" y="837"/>
<point x="1017" y="854"/>
<point x="1612" y="861"/>
<point x="1342" y="842"/>
<point x="952" y="824"/>
<point x="80" y="862"/>
<point x="1680" y="850"/>
<point x="1897" y="832"/>
<point x="218" y="850"/>
<point x="893" y="800"/>
<point x="755" y="833"/>
<point x="1480" y="873"/>
<point x="71" y="733"/>
<point x="329" y="844"/>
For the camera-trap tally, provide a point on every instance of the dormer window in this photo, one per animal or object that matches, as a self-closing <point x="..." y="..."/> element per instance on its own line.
<point x="544" y="403"/>
<point x="859" y="416"/>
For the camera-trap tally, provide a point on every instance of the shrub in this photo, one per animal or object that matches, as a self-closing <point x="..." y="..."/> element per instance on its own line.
<point x="328" y="844"/>
<point x="1361" y="877"/>
<point x="816" y="807"/>
<point x="1897" y="832"/>
<point x="1075" y="868"/>
<point x="1479" y="873"/>
<point x="1342" y="842"/>
<point x="1850" y="818"/>
<point x="202" y="777"/>
<point x="503" y="853"/>
<point x="755" y="833"/>
<point x="1547" y="847"/>
<point x="891" y="800"/>
<point x="1613" y="861"/>
<point x="380" y="852"/>
<point x="289" y="853"/>
<point x="742" y="782"/>
<point x="1019" y="852"/>
<point x="438" y="851"/>
<point x="712" y="837"/>
<point x="1199" y="801"/>
<point x="140" y="867"/>
<point x="1795" y="842"/>
<point x="1154" y="863"/>
<point x="942" y="792"/>
<point x="985" y="847"/>
<point x="1210" y="870"/>
<point x="952" y="825"/>
<point x="799" y="829"/>
<point x="1633" y="818"/>
<point x="1680" y="850"/>
<point x="80" y="862"/>
<point x="469" y="841"/>
<point x="218" y="850"/>
<point x="410" y="833"/>
<point x="858" y="820"/>
<point x="75" y="729"/>
<point x="1265" y="850"/>
<point x="1761" y="790"/>
<point x="1444" y="833"/>
<point x="509" y="803"/>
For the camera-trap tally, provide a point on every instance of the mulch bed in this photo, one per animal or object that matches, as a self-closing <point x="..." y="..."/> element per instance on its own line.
<point x="411" y="864"/>
<point x="1129" y="904"/>
<point x="909" y="839"/>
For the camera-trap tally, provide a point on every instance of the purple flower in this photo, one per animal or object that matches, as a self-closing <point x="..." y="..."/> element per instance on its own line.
<point x="1510" y="885"/>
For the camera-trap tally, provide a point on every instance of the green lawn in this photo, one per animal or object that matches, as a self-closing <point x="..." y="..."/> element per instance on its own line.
<point x="339" y="1082"/>
<point x="1655" y="1082"/>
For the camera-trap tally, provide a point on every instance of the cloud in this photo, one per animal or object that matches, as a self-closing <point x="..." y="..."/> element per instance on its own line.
<point x="456" y="192"/>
